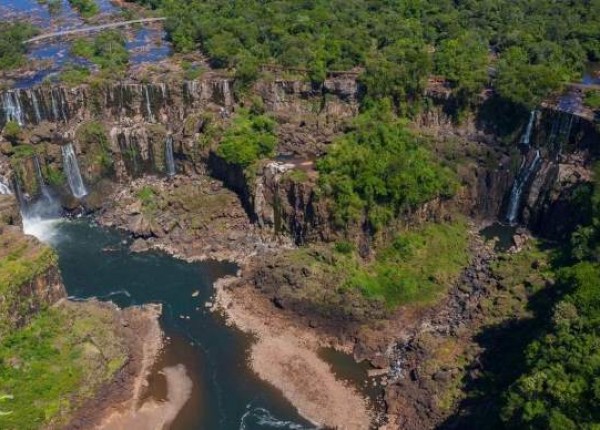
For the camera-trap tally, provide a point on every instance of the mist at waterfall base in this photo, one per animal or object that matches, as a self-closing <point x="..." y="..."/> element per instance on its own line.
<point x="96" y="262"/>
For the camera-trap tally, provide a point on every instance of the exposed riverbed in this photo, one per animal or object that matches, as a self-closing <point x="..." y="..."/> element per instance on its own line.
<point x="201" y="349"/>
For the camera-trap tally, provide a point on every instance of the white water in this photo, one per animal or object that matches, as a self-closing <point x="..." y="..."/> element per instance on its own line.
<point x="148" y="107"/>
<point x="41" y="228"/>
<point x="36" y="107"/>
<point x="169" y="159"/>
<point x="4" y="189"/>
<point x="71" y="170"/>
<point x="516" y="193"/>
<point x="12" y="107"/>
<point x="41" y="216"/>
<point x="264" y="418"/>
<point x="526" y="139"/>
<point x="40" y="180"/>
<point x="54" y="105"/>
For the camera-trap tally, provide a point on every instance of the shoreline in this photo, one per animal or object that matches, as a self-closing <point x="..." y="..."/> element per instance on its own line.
<point x="140" y="327"/>
<point x="286" y="355"/>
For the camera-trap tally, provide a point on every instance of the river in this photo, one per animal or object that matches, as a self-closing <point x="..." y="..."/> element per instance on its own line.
<point x="96" y="262"/>
<point x="145" y="44"/>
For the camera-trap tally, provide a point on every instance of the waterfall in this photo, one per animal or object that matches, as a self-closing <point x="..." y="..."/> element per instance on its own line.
<point x="227" y="99"/>
<point x="19" y="193"/>
<point x="516" y="193"/>
<point x="63" y="105"/>
<point x="12" y="107"/>
<point x="39" y="215"/>
<point x="36" y="107"/>
<point x="526" y="139"/>
<point x="55" y="113"/>
<point x="4" y="188"/>
<point x="148" y="106"/>
<point x="40" y="180"/>
<point x="163" y="91"/>
<point x="169" y="159"/>
<point x="71" y="169"/>
<point x="560" y="131"/>
<point x="59" y="105"/>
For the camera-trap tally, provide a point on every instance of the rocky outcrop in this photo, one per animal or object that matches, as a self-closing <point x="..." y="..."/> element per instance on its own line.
<point x="30" y="283"/>
<point x="9" y="210"/>
<point x="138" y="119"/>
<point x="568" y="146"/>
<point x="138" y="331"/>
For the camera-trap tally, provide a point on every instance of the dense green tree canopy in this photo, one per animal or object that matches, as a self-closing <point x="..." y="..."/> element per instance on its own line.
<point x="561" y="388"/>
<point x="530" y="46"/>
<point x="249" y="138"/>
<point x="380" y="169"/>
<point x="12" y="49"/>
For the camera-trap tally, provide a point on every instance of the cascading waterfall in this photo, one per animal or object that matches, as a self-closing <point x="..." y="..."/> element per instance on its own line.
<point x="169" y="158"/>
<point x="19" y="193"/>
<point x="40" y="180"/>
<point x="560" y="131"/>
<point x="12" y="107"/>
<point x="521" y="181"/>
<point x="63" y="106"/>
<point x="526" y="139"/>
<point x="40" y="215"/>
<point x="36" y="107"/>
<point x="4" y="188"/>
<point x="54" y="105"/>
<point x="148" y="105"/>
<point x="71" y="169"/>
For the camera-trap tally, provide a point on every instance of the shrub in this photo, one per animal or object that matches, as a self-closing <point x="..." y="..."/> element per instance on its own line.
<point x="248" y="138"/>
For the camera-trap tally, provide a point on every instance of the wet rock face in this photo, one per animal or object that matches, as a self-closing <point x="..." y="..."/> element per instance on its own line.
<point x="568" y="146"/>
<point x="139" y="118"/>
<point x="152" y="102"/>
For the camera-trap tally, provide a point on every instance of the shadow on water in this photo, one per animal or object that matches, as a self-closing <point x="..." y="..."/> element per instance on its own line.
<point x="95" y="262"/>
<point x="346" y="369"/>
<point x="502" y="234"/>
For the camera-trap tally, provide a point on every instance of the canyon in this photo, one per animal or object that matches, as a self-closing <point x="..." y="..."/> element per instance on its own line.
<point x="298" y="215"/>
<point x="139" y="157"/>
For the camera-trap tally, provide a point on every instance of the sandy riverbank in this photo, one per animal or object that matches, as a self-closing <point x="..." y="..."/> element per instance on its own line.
<point x="286" y="355"/>
<point x="153" y="414"/>
<point x="140" y="328"/>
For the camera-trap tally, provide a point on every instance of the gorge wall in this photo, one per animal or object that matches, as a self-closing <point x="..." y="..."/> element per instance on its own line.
<point x="122" y="131"/>
<point x="31" y="279"/>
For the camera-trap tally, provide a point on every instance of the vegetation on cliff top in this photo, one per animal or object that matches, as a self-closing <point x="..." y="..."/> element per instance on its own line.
<point x="592" y="99"/>
<point x="248" y="138"/>
<point x="48" y="368"/>
<point x="380" y="170"/>
<point x="532" y="45"/>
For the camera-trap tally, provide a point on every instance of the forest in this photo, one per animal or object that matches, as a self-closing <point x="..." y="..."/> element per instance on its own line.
<point x="522" y="49"/>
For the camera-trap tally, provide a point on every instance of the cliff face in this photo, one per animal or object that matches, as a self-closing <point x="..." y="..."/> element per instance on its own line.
<point x="29" y="278"/>
<point x="124" y="131"/>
